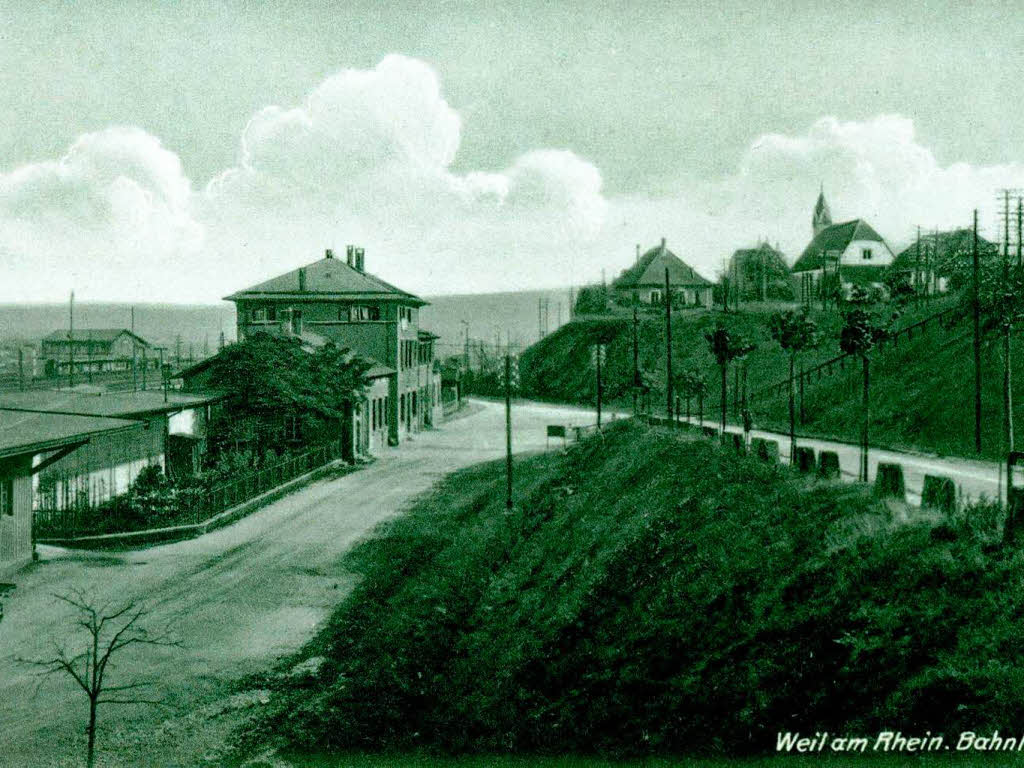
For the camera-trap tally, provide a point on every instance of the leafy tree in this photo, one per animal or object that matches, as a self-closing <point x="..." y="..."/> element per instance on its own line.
<point x="726" y="346"/>
<point x="591" y="300"/>
<point x="862" y="329"/>
<point x="692" y="383"/>
<point x="279" y="393"/>
<point x="796" y="333"/>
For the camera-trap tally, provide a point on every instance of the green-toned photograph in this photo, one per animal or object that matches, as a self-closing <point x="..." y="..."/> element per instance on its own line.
<point x="488" y="384"/>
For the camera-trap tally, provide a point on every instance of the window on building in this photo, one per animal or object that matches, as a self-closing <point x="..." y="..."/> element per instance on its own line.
<point x="272" y="313"/>
<point x="655" y="297"/>
<point x="401" y="407"/>
<point x="866" y="254"/>
<point x="259" y="315"/>
<point x="7" y="497"/>
<point x="358" y="313"/>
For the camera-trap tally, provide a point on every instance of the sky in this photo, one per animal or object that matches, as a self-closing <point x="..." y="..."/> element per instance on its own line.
<point x="180" y="151"/>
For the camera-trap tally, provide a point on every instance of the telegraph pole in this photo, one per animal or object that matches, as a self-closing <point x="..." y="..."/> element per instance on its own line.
<point x="668" y="346"/>
<point x="71" y="341"/>
<point x="636" y="357"/>
<point x="976" y="306"/>
<point x="508" y="432"/>
<point x="599" y="355"/>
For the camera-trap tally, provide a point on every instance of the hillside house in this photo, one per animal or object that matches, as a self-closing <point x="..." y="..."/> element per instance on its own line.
<point x="760" y="274"/>
<point x="941" y="260"/>
<point x="644" y="282"/>
<point x="840" y="255"/>
<point x="169" y="432"/>
<point x="31" y="442"/>
<point x="96" y="350"/>
<point x="340" y="301"/>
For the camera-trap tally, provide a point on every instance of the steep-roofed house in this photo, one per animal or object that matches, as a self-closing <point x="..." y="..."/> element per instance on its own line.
<point x="340" y="301"/>
<point x="845" y="254"/>
<point x="644" y="282"/>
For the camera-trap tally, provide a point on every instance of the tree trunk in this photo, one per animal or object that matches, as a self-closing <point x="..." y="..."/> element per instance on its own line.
<point x="725" y="394"/>
<point x="90" y="755"/>
<point x="688" y="409"/>
<point x="864" y="426"/>
<point x="792" y="410"/>
<point x="700" y="406"/>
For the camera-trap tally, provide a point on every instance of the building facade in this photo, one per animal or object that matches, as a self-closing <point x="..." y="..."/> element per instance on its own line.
<point x="169" y="433"/>
<point x="96" y="350"/>
<point x="339" y="301"/>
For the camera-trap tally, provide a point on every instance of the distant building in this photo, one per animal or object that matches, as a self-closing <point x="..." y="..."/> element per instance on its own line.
<point x="96" y="350"/>
<point x="29" y="443"/>
<point x="941" y="260"/>
<point x="760" y="274"/>
<point x="644" y="282"/>
<point x="166" y="431"/>
<point x="845" y="254"/>
<point x="340" y="301"/>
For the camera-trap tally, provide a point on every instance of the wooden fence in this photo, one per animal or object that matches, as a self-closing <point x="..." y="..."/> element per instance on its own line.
<point x="839" y="363"/>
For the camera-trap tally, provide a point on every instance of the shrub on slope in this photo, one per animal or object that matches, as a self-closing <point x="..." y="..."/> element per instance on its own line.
<point x="653" y="594"/>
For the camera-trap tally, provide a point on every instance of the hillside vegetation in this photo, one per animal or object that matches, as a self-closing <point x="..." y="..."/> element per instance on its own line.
<point x="922" y="394"/>
<point x="653" y="593"/>
<point x="559" y="367"/>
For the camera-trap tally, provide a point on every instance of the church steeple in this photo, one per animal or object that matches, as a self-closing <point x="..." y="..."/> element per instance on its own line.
<point x="822" y="216"/>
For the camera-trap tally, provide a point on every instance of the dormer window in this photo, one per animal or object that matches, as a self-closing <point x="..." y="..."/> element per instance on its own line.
<point x="865" y="253"/>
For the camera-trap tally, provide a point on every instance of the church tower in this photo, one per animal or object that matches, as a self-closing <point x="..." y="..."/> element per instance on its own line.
<point x="822" y="216"/>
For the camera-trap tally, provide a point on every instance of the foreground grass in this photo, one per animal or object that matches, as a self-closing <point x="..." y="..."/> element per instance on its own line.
<point x="651" y="595"/>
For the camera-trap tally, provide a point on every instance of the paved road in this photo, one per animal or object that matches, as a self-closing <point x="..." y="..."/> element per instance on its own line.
<point x="238" y="598"/>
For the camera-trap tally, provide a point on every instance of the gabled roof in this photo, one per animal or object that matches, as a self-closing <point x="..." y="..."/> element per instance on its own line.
<point x="650" y="271"/>
<point x="23" y="432"/>
<point x="94" y="334"/>
<point x="941" y="250"/>
<point x="834" y="240"/>
<point x="327" y="278"/>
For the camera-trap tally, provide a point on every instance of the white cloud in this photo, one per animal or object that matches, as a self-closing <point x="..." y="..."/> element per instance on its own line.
<point x="367" y="158"/>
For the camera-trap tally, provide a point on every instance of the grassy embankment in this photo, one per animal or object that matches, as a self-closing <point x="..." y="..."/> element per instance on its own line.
<point x="654" y="594"/>
<point x="922" y="389"/>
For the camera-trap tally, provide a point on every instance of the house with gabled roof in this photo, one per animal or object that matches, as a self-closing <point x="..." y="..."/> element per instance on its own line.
<point x="937" y="261"/>
<point x="846" y="254"/>
<point x="339" y="301"/>
<point x="644" y="282"/>
<point x="96" y="350"/>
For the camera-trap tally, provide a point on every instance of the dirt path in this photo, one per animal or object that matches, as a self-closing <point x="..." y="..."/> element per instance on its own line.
<point x="238" y="598"/>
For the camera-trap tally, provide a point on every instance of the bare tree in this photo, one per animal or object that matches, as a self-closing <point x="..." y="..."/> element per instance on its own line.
<point x="108" y="630"/>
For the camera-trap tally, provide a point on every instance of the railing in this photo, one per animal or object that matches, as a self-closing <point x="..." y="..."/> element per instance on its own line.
<point x="828" y="367"/>
<point x="192" y="505"/>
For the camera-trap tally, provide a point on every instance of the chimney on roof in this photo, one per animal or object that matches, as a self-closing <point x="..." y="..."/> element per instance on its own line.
<point x="360" y="259"/>
<point x="302" y="279"/>
<point x="663" y="243"/>
<point x="328" y="254"/>
<point x="350" y="254"/>
<point x="638" y="253"/>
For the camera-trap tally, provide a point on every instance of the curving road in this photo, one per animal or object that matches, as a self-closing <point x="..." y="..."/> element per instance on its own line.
<point x="238" y="599"/>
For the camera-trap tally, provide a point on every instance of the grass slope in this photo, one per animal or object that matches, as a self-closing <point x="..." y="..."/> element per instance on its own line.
<point x="922" y="394"/>
<point x="654" y="594"/>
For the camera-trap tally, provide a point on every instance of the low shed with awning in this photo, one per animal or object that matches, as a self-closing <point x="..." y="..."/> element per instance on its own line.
<point x="30" y="442"/>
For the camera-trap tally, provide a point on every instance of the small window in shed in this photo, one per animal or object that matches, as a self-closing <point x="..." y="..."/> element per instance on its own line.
<point x="866" y="254"/>
<point x="7" y="497"/>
